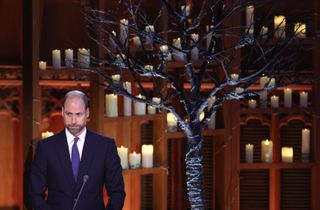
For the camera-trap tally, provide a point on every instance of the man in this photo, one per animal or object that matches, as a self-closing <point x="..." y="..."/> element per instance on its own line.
<point x="75" y="164"/>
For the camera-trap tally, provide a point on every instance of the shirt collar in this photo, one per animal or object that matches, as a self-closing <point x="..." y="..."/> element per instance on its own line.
<point x="71" y="137"/>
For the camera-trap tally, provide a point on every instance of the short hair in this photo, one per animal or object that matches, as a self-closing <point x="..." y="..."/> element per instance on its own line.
<point x="77" y="93"/>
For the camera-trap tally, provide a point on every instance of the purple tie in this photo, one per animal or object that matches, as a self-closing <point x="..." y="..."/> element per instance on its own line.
<point x="75" y="158"/>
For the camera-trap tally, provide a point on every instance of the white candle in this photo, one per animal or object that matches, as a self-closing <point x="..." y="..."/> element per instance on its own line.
<point x="134" y="160"/>
<point x="266" y="151"/>
<point x="209" y="36"/>
<point x="111" y="105"/>
<point x="305" y="144"/>
<point x="274" y="100"/>
<point x="68" y="57"/>
<point x="272" y="82"/>
<point x="212" y="121"/>
<point x="123" y="154"/>
<point x="303" y="99"/>
<point x="234" y="77"/>
<point x="250" y="18"/>
<point x="185" y="10"/>
<point x="287" y="97"/>
<point x="172" y="123"/>
<point x="46" y="134"/>
<point x="249" y="153"/>
<point x="280" y="26"/>
<point x="263" y="81"/>
<point x="127" y="100"/>
<point x="42" y="65"/>
<point x="136" y="41"/>
<point x="148" y="67"/>
<point x="151" y="109"/>
<point x="164" y="49"/>
<point x="139" y="108"/>
<point x="264" y="32"/>
<point x="300" y="30"/>
<point x="115" y="78"/>
<point x="123" y="31"/>
<point x="84" y="57"/>
<point x="287" y="154"/>
<point x="177" y="55"/>
<point x="147" y="155"/>
<point x="252" y="103"/>
<point x="194" y="51"/>
<point x="239" y="90"/>
<point x="112" y="36"/>
<point x="56" y="59"/>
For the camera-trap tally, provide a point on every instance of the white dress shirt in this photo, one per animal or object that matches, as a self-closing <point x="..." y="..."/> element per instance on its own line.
<point x="80" y="143"/>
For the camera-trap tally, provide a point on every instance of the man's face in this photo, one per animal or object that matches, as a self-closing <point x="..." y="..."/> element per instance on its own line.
<point x="75" y="115"/>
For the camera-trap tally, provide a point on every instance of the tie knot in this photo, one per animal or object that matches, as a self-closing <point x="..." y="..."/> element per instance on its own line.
<point x="76" y="140"/>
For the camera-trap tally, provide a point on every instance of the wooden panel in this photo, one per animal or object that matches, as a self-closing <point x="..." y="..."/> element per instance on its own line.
<point x="254" y="190"/>
<point x="295" y="189"/>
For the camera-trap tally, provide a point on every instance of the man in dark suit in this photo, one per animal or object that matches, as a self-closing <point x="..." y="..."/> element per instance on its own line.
<point x="75" y="164"/>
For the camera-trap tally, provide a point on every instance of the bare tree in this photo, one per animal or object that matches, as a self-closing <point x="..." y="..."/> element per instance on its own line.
<point x="210" y="44"/>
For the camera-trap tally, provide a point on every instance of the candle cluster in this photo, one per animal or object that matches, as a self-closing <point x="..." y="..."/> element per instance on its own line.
<point x="134" y="160"/>
<point x="286" y="152"/>
<point x="46" y="134"/>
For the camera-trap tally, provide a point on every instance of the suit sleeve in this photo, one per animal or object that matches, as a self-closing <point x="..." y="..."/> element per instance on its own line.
<point x="38" y="180"/>
<point x="113" y="179"/>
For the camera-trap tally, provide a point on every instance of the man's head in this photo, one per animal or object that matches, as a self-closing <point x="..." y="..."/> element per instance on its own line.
<point x="75" y="111"/>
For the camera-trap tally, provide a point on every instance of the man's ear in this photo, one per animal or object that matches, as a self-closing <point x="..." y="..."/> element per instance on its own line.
<point x="88" y="112"/>
<point x="62" y="111"/>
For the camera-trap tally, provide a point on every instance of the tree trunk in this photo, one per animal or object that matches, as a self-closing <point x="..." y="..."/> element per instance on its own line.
<point x="194" y="172"/>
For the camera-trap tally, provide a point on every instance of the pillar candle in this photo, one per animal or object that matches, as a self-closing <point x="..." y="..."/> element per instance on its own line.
<point x="305" y="144"/>
<point x="151" y="109"/>
<point x="84" y="57"/>
<point x="263" y="81"/>
<point x="300" y="30"/>
<point x="209" y="36"/>
<point x="177" y="55"/>
<point x="303" y="99"/>
<point x="112" y="36"/>
<point x="147" y="155"/>
<point x="250" y="18"/>
<point x="194" y="51"/>
<point x="234" y="76"/>
<point x="274" y="101"/>
<point x="111" y="105"/>
<point x="172" y="123"/>
<point x="287" y="154"/>
<point x="185" y="9"/>
<point x="46" y="134"/>
<point x="68" y="57"/>
<point x="127" y="101"/>
<point x="212" y="121"/>
<point x="115" y="78"/>
<point x="139" y="108"/>
<point x="134" y="160"/>
<point x="165" y="52"/>
<point x="280" y="26"/>
<point x="287" y="97"/>
<point x="266" y="151"/>
<point x="123" y="154"/>
<point x="136" y="41"/>
<point x="264" y="32"/>
<point x="124" y="32"/>
<point x="249" y="153"/>
<point x="56" y="59"/>
<point x="42" y="65"/>
<point x="252" y="103"/>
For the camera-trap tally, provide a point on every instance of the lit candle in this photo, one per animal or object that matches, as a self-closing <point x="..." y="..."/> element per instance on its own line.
<point x="300" y="30"/>
<point x="209" y="36"/>
<point x="250" y="18"/>
<point x="234" y="76"/>
<point x="139" y="108"/>
<point x="264" y="32"/>
<point x="111" y="105"/>
<point x="287" y="97"/>
<point x="134" y="160"/>
<point x="274" y="100"/>
<point x="112" y="36"/>
<point x="177" y="55"/>
<point x="164" y="50"/>
<point x="280" y="26"/>
<point x="151" y="109"/>
<point x="115" y="78"/>
<point x="147" y="155"/>
<point x="149" y="28"/>
<point x="46" y="134"/>
<point x="252" y="103"/>
<point x="287" y="154"/>
<point x="68" y="57"/>
<point x="127" y="100"/>
<point x="136" y="41"/>
<point x="212" y="121"/>
<point x="172" y="123"/>
<point x="123" y="31"/>
<point x="194" y="51"/>
<point x="305" y="144"/>
<point x="42" y="65"/>
<point x="84" y="57"/>
<point x="266" y="151"/>
<point x="272" y="82"/>
<point x="185" y="9"/>
<point x="148" y="67"/>
<point x="123" y="154"/>
<point x="56" y="59"/>
<point x="239" y="90"/>
<point x="249" y="153"/>
<point x="303" y="99"/>
<point x="263" y="81"/>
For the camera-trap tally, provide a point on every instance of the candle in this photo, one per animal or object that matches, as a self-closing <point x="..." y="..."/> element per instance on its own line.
<point x="250" y="18"/>
<point x="177" y="55"/>
<point x="305" y="144"/>
<point x="303" y="99"/>
<point x="139" y="108"/>
<point x="148" y="67"/>
<point x="300" y="30"/>
<point x="287" y="154"/>
<point x="42" y="65"/>
<point x="185" y="9"/>
<point x="127" y="100"/>
<point x="172" y="123"/>
<point x="274" y="100"/>
<point x="239" y="90"/>
<point x="252" y="103"/>
<point x="56" y="59"/>
<point x="136" y="41"/>
<point x="234" y="77"/>
<point x="194" y="51"/>
<point x="151" y="109"/>
<point x="112" y="36"/>
<point x="134" y="160"/>
<point x="249" y="153"/>
<point x="84" y="57"/>
<point x="116" y="78"/>
<point x="280" y="26"/>
<point x="46" y="134"/>
<point x="287" y="97"/>
<point x="209" y="36"/>
<point x="212" y="121"/>
<point x="68" y="57"/>
<point x="166" y="53"/>
<point x="266" y="151"/>
<point x="149" y="28"/>
<point x="147" y="155"/>
<point x="123" y="31"/>
<point x="111" y="105"/>
<point x="264" y="32"/>
<point x="263" y="81"/>
<point x="123" y="154"/>
<point x="272" y="82"/>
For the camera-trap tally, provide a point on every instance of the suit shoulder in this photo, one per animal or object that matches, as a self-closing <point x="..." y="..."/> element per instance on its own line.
<point x="52" y="139"/>
<point x="100" y="138"/>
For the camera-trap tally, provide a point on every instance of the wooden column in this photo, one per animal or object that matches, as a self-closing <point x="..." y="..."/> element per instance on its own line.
<point x="31" y="113"/>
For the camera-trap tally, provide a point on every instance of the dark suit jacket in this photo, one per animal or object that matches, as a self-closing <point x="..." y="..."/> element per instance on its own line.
<point x="51" y="170"/>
